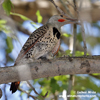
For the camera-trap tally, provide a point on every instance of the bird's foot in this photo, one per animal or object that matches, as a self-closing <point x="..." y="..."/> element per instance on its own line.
<point x="45" y="59"/>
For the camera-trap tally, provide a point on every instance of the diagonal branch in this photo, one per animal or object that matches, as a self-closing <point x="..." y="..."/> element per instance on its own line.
<point x="56" y="67"/>
<point x="35" y="90"/>
<point x="73" y="6"/>
<point x="67" y="9"/>
<point x="27" y="93"/>
<point x="59" y="9"/>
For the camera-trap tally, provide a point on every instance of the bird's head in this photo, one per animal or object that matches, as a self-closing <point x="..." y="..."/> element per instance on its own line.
<point x="59" y="20"/>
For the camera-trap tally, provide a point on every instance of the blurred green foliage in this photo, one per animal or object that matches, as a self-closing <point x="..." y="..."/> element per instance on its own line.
<point x="66" y="35"/>
<point x="39" y="17"/>
<point x="7" y="6"/>
<point x="2" y="25"/>
<point x="21" y="16"/>
<point x="9" y="44"/>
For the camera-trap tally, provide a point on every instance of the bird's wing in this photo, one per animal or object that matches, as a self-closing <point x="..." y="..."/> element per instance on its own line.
<point x="32" y="40"/>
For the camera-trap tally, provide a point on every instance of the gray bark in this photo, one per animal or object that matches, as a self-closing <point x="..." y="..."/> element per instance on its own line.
<point x="54" y="67"/>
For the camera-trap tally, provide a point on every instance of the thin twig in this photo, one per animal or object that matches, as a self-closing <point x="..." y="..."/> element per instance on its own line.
<point x="59" y="9"/>
<point x="74" y="1"/>
<point x="95" y="76"/>
<point x="22" y="29"/>
<point x="67" y="9"/>
<point x="35" y="90"/>
<point x="83" y="30"/>
<point x="74" y="39"/>
<point x="80" y="7"/>
<point x="69" y="86"/>
<point x="27" y="93"/>
<point x="84" y="39"/>
<point x="73" y="6"/>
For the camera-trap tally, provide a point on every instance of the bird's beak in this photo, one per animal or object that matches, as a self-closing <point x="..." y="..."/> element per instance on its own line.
<point x="71" y="20"/>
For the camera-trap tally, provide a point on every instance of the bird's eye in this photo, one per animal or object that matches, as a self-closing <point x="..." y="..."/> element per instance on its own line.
<point x="61" y="15"/>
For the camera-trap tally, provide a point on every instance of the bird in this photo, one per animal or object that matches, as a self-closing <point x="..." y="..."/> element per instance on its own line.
<point x="43" y="42"/>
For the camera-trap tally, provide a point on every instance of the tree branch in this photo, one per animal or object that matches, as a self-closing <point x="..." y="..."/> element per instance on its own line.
<point x="36" y="91"/>
<point x="56" y="67"/>
<point x="67" y="9"/>
<point x="27" y="93"/>
<point x="84" y="39"/>
<point x="61" y="12"/>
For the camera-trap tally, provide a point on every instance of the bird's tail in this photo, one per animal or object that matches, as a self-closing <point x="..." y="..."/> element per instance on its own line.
<point x="14" y="86"/>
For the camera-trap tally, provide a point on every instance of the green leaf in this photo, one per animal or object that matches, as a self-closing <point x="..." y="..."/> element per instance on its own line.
<point x="72" y="93"/>
<point x="79" y="37"/>
<point x="9" y="44"/>
<point x="68" y="52"/>
<point x="22" y="93"/>
<point x="79" y="53"/>
<point x="2" y="25"/>
<point x="44" y="91"/>
<point x="66" y="35"/>
<point x="39" y="17"/>
<point x="61" y="78"/>
<point x="96" y="74"/>
<point x="2" y="22"/>
<point x="7" y="6"/>
<point x="64" y="86"/>
<point x="21" y="16"/>
<point x="44" y="82"/>
<point x="54" y="86"/>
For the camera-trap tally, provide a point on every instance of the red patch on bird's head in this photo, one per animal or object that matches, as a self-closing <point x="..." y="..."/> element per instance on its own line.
<point x="61" y="20"/>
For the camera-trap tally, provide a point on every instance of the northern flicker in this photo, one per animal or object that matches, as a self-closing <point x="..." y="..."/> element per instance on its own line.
<point x="43" y="42"/>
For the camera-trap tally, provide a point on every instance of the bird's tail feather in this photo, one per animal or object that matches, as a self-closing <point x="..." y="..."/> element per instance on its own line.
<point x="14" y="86"/>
